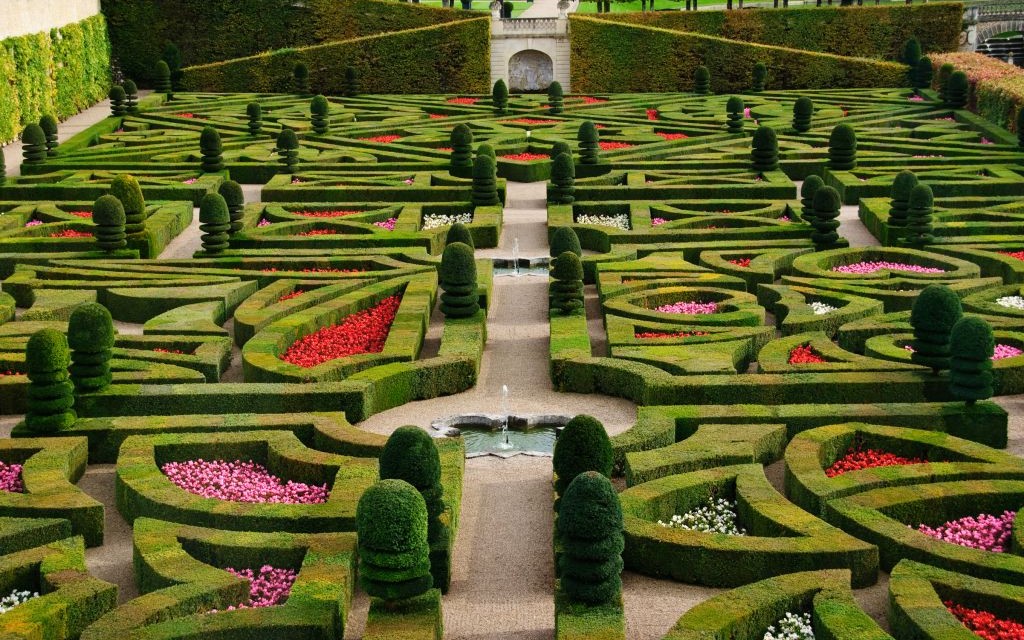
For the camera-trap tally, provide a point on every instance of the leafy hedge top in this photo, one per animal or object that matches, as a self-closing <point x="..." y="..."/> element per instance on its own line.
<point x="582" y="446"/>
<point x="126" y="188"/>
<point x="565" y="239"/>
<point x="567" y="266"/>
<point x="458" y="266"/>
<point x="48" y="124"/>
<point x="973" y="339"/>
<point x="108" y="211"/>
<point x="590" y="508"/>
<point x="826" y="199"/>
<point x="459" y="232"/>
<point x="902" y="185"/>
<point x="410" y="454"/>
<point x="231" y="191"/>
<point x="810" y="186"/>
<point x="843" y="136"/>
<point x="936" y="309"/>
<point x="33" y="135"/>
<point x="461" y="134"/>
<point x="287" y="139"/>
<point x="91" y="328"/>
<point x="921" y="197"/>
<point x="47" y="350"/>
<point x="213" y="209"/>
<point x="391" y="517"/>
<point x="319" y="106"/>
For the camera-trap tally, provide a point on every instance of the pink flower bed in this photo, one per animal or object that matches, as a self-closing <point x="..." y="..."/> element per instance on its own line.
<point x="985" y="532"/>
<point x="691" y="308"/>
<point x="318" y="232"/>
<point x="532" y="121"/>
<point x="388" y="224"/>
<point x="33" y="223"/>
<point x="916" y="98"/>
<point x="525" y="157"/>
<point x="10" y="478"/>
<point x="645" y="335"/>
<point x="190" y="181"/>
<point x="263" y="223"/>
<point x="325" y="214"/>
<point x="871" y="267"/>
<point x="362" y="332"/>
<point x="240" y="482"/>
<point x="657" y="222"/>
<point x="270" y="587"/>
<point x="1005" y="351"/>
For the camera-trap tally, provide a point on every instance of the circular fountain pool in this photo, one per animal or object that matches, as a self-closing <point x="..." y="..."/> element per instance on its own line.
<point x="484" y="434"/>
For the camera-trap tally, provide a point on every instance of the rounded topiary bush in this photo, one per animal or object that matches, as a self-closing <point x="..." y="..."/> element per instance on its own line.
<point x="563" y="180"/>
<point x="410" y="454"/>
<point x="764" y="149"/>
<point x="254" y="112"/>
<point x="487" y="150"/>
<point x="126" y="188"/>
<point x="760" y="77"/>
<point x="457" y="277"/>
<point x="702" y="81"/>
<point x="945" y="71"/>
<point x="459" y="232"/>
<point x="555" y="98"/>
<point x="391" y="527"/>
<point x="91" y="339"/>
<point x="919" y="217"/>
<point x="956" y="90"/>
<point x="288" y="149"/>
<point x="109" y="218"/>
<point x="935" y="311"/>
<point x="162" y="79"/>
<point x="211" y="150"/>
<point x="215" y="222"/>
<point x="319" y="109"/>
<point x="803" y="112"/>
<point x="807" y="190"/>
<point x="350" y="86"/>
<point x="560" y="146"/>
<point x="50" y="395"/>
<point x="461" y="139"/>
<point x="734" y="114"/>
<point x="235" y="199"/>
<point x="899" y="203"/>
<point x="300" y="78"/>
<point x="49" y="126"/>
<point x="589" y="143"/>
<point x="131" y="93"/>
<point x="911" y="52"/>
<point x="565" y="239"/>
<point x="971" y="346"/>
<point x="118" y="101"/>
<point x="565" y="292"/>
<point x="842" y="148"/>
<point x="33" y="140"/>
<point x="826" y="219"/>
<point x="590" y="526"/>
<point x="485" y="182"/>
<point x="582" y="446"/>
<point x="499" y="96"/>
<point x="923" y="73"/>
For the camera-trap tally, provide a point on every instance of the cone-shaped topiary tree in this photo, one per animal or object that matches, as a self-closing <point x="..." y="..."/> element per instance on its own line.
<point x="702" y="81"/>
<point x="971" y="346"/>
<point x="108" y="216"/>
<point x="118" y="101"/>
<point x="734" y="114"/>
<point x="162" y="80"/>
<point x="391" y="527"/>
<point x="589" y="143"/>
<point x="235" y="199"/>
<point x="899" y="203"/>
<point x="49" y="126"/>
<point x="319" y="109"/>
<point x="923" y="74"/>
<point x="919" y="217"/>
<point x="459" y="232"/>
<point x="50" y="396"/>
<point x="288" y="150"/>
<point x="91" y="338"/>
<point x="826" y="219"/>
<point x="563" y="180"/>
<point x="842" y="148"/>
<point x="300" y="78"/>
<point x="461" y="140"/>
<point x="555" y="98"/>
<point x="131" y="94"/>
<point x="911" y="52"/>
<point x="582" y="446"/>
<point x="566" y="289"/>
<point x="411" y="455"/>
<point x="560" y="146"/>
<point x="126" y="189"/>
<point x="764" y="149"/>
<point x="350" y="87"/>
<point x="945" y="71"/>
<point x="487" y="150"/>
<point x="255" y="114"/>
<point x="807" y="190"/>
<point x="565" y="239"/>
<point x="215" y="222"/>
<point x="211" y="150"/>
<point x="457" y="277"/>
<point x="590" y="527"/>
<point x="956" y="90"/>
<point x="499" y="96"/>
<point x="33" y="141"/>
<point x="485" y="182"/>
<point x="760" y="77"/>
<point x="935" y="311"/>
<point x="803" y="112"/>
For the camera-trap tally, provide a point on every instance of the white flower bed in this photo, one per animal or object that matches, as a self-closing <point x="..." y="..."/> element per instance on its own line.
<point x="716" y="516"/>
<point x="792" y="626"/>
<point x="616" y="221"/>
<point x="820" y="308"/>
<point x="435" y="220"/>
<point x="15" y="598"/>
<point x="1011" y="302"/>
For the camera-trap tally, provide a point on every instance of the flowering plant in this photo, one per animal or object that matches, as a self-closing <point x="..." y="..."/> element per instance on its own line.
<point x="878" y="265"/>
<point x="984" y="531"/>
<point x="985" y="624"/>
<point x="857" y="459"/>
<point x="741" y="262"/>
<point x="16" y="597"/>
<point x="671" y="136"/>
<point x="270" y="587"/>
<point x="715" y="516"/>
<point x="533" y="121"/>
<point x="462" y="100"/>
<point x="80" y="214"/>
<point x="362" y="332"/>
<point x="692" y="308"/>
<point x="239" y="481"/>
<point x="804" y="354"/>
<point x="10" y="478"/>
<point x="611" y="146"/>
<point x="387" y="225"/>
<point x="615" y="221"/>
<point x="385" y="139"/>
<point x="792" y="626"/>
<point x="338" y="213"/>
<point x="652" y="114"/>
<point x="525" y="156"/>
<point x="1011" y="302"/>
<point x="71" y="233"/>
<point x="666" y="334"/>
<point x="820" y="308"/>
<point x="435" y="220"/>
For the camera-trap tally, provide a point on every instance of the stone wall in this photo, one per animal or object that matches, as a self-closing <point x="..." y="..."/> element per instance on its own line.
<point x="22" y="17"/>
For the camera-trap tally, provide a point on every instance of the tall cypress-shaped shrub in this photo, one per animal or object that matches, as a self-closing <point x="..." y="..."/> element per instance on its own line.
<point x="555" y="98"/>
<point x="760" y="77"/>
<point x="108" y="216"/>
<point x="803" y="112"/>
<point x="919" y="217"/>
<point x="923" y="74"/>
<point x="971" y="346"/>
<point x="391" y="527"/>
<point x="461" y="139"/>
<point x="91" y="339"/>
<point x="300" y="78"/>
<point x="935" y="311"/>
<point x="162" y="80"/>
<point x="49" y="126"/>
<point x="350" y="87"/>
<point x="899" y="202"/>
<point x="215" y="222"/>
<point x="566" y="289"/>
<point x="485" y="182"/>
<point x="255" y="114"/>
<point x="319" y="119"/>
<point x="288" y="150"/>
<point x="33" y="144"/>
<point x="499" y="96"/>
<point x="807" y="190"/>
<point x="411" y="455"/>
<point x="459" y="232"/>
<point x="590" y="525"/>
<point x="945" y="71"/>
<point x="231" y="191"/>
<point x="734" y="114"/>
<point x="764" y="149"/>
<point x="842" y="148"/>
<point x="487" y="150"/>
<point x="911" y="52"/>
<point x="702" y="81"/>
<point x="565" y="239"/>
<point x="128" y="191"/>
<point x="956" y="90"/>
<point x="211" y="150"/>
<point x="582" y="446"/>
<point x="131" y="93"/>
<point x="172" y="56"/>
<point x="560" y="146"/>
<point x="826" y="219"/>
<point x="563" y="180"/>
<point x="457" y="278"/>
<point x="118" y="101"/>
<point x="589" y="143"/>
<point x="50" y="396"/>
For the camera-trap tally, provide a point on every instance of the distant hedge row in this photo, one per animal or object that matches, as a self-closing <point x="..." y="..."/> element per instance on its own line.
<point x="447" y="58"/>
<point x="216" y="30"/>
<point x="616" y="57"/>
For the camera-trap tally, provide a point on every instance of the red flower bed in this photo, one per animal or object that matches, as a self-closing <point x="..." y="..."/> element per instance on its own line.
<point x="445" y="149"/>
<point x="437" y="116"/>
<point x="986" y="625"/>
<point x="666" y="334"/>
<point x="388" y="139"/>
<point x="525" y="157"/>
<point x="1014" y="254"/>
<point x="313" y="270"/>
<point x="318" y="232"/>
<point x="741" y="262"/>
<point x="80" y="214"/>
<point x="672" y="136"/>
<point x="325" y="214"/>
<point x="362" y="332"/>
<point x="611" y="146"/>
<point x="10" y="372"/>
<point x="652" y="114"/>
<point x="463" y="100"/>
<point x="174" y="351"/>
<point x="71" y="233"/>
<point x="805" y="355"/>
<point x="857" y="458"/>
<point x="186" y="115"/>
<point x="533" y="121"/>
<point x="290" y="296"/>
<point x="592" y="100"/>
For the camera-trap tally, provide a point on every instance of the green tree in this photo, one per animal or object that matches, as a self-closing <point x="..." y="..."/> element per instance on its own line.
<point x="923" y="74"/>
<point x="582" y="446"/>
<point x="945" y="71"/>
<point x="131" y="92"/>
<point x="33" y="141"/>
<point x="911" y="52"/>
<point x="563" y="180"/>
<point x="956" y="90"/>
<point x="702" y="81"/>
<point x="499" y="96"/>
<point x="826" y="219"/>
<point x="214" y="222"/>
<point x="734" y="114"/>
<point x="49" y="126"/>
<point x="935" y="311"/>
<point x="127" y="190"/>
<point x="172" y="56"/>
<point x="589" y="143"/>
<point x="162" y="80"/>
<point x="487" y="150"/>
<point x="300" y="78"/>
<point x="803" y="112"/>
<point x="565" y="239"/>
<point x="459" y="232"/>
<point x="919" y="217"/>
<point x="461" y="139"/>
<point x="590" y="525"/>
<point x="288" y="150"/>
<point x="319" y="110"/>
<point x="255" y="114"/>
<point x="760" y="77"/>
<point x="108" y="216"/>
<point x="764" y="151"/>
<point x="971" y="346"/>
<point x="842" y="148"/>
<point x="457" y="277"/>
<point x="411" y="455"/>
<point x="211" y="150"/>
<point x="394" y="555"/>
<point x="350" y="87"/>
<point x="566" y="289"/>
<point x="555" y="98"/>
<point x="560" y="146"/>
<point x="91" y="339"/>
<point x="807" y="190"/>
<point x="50" y="397"/>
<point x="231" y="191"/>
<point x="118" y="101"/>
<point x="899" y="202"/>
<point x="485" y="182"/>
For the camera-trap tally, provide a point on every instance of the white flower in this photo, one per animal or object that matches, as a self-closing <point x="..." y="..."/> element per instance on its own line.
<point x="820" y="308"/>
<point x="715" y="516"/>
<point x="15" y="598"/>
<point x="1011" y="302"/>
<point x="792" y="626"/>
<point x="615" y="221"/>
<point x="435" y="220"/>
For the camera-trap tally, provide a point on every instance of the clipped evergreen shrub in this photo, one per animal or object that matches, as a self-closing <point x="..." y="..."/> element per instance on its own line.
<point x="760" y="78"/>
<point x="1020" y="128"/>
<point x="555" y="98"/>
<point x="971" y="346"/>
<point x="49" y="126"/>
<point x="560" y="146"/>
<point x="566" y="289"/>
<point x="935" y="311"/>
<point x="319" y="109"/>
<point x="459" y="232"/>
<point x="126" y="189"/>
<point x="487" y="150"/>
<point x="171" y="54"/>
<point x="457" y="277"/>
<point x="235" y="199"/>
<point x="300" y="78"/>
<point x="499" y="96"/>
<point x="702" y="81"/>
<point x="391" y="527"/>
<point x="911" y="52"/>
<point x="807" y="190"/>
<point x="764" y="149"/>
<point x="215" y="222"/>
<point x="803" y="112"/>
<point x="33" y="141"/>
<point x="899" y="203"/>
<point x="485" y="182"/>
<point x="255" y="114"/>
<point x="956" y="90"/>
<point x="734" y="114"/>
<point x="3" y="167"/>
<point x="162" y="80"/>
<point x="461" y="139"/>
<point x="350" y="87"/>
<point x="118" y="101"/>
<point x="826" y="218"/>
<point x="590" y="525"/>
<point x="288" y="150"/>
<point x="589" y="143"/>
<point x="565" y="239"/>
<point x="923" y="74"/>
<point x="91" y="339"/>
<point x="563" y="180"/>
<point x="582" y="446"/>
<point x="945" y="71"/>
<point x="50" y="398"/>
<point x="410" y="454"/>
<point x="131" y="94"/>
<point x="211" y="151"/>
<point x="919" y="217"/>
<point x="108" y="216"/>
<point x="842" y="148"/>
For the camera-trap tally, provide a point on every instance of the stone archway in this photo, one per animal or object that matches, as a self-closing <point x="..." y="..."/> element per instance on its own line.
<point x="988" y="29"/>
<point x="530" y="70"/>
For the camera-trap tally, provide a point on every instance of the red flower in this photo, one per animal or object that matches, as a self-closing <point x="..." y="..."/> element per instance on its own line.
<point x="741" y="262"/>
<point x="533" y="121"/>
<point x="318" y="232"/>
<point x="672" y="136"/>
<point x="387" y="139"/>
<point x="175" y="351"/>
<point x="525" y="157"/>
<point x="463" y="100"/>
<point x="290" y="296"/>
<point x="80" y="214"/>
<point x="856" y="459"/>
<point x="71" y="233"/>
<point x="610" y="146"/>
<point x="665" y="334"/>
<point x="592" y="100"/>
<point x="805" y="355"/>
<point x="986" y="625"/>
<point x="445" y="149"/>
<point x="1014" y="254"/>
<point x="326" y="214"/>
<point x="652" y="114"/>
<point x="362" y="332"/>
<point x="437" y="116"/>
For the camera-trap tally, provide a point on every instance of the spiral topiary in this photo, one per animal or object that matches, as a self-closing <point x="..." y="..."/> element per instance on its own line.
<point x="50" y="397"/>
<point x="411" y="455"/>
<point x="899" y="203"/>
<point x="956" y="90"/>
<point x="945" y="71"/>
<point x="589" y="143"/>
<point x="563" y="180"/>
<point x="457" y="277"/>
<point x="842" y="148"/>
<point x="702" y="81"/>
<point x="461" y="140"/>
<point x="919" y="217"/>
<point x="300" y="78"/>
<point x="91" y="339"/>
<point x="215" y="222"/>
<point x="33" y="141"/>
<point x="734" y="114"/>
<point x="211" y="151"/>
<point x="565" y="239"/>
<point x="826" y="219"/>
<point x="935" y="311"/>
<point x="803" y="112"/>
<point x="590" y="526"/>
<point x="350" y="86"/>
<point x="807" y="190"/>
<point x="555" y="98"/>
<point x="391" y="527"/>
<point x="126" y="188"/>
<point x="162" y="80"/>
<point x="235" y="199"/>
<point x="254" y="112"/>
<point x="288" y="150"/>
<point x="764" y="149"/>
<point x="760" y="77"/>
<point x="49" y="126"/>
<point x="118" y="101"/>
<point x="565" y="292"/>
<point x="499" y="96"/>
<point x="582" y="446"/>
<point x="319" y="109"/>
<point x="923" y="74"/>
<point x="108" y="216"/>
<point x="485" y="182"/>
<point x="971" y="346"/>
<point x="131" y="94"/>
<point x="459" y="232"/>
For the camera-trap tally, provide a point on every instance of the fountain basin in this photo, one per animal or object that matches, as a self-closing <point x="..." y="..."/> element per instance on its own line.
<point x="527" y="266"/>
<point x="531" y="435"/>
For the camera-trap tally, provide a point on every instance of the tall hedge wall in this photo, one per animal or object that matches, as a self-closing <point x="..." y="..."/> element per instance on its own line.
<point x="59" y="72"/>
<point x="217" y="30"/>
<point x="447" y="58"/>
<point x="867" y="32"/>
<point x="617" y="57"/>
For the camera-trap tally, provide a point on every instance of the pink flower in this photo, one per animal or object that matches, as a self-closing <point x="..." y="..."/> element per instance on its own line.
<point x="871" y="267"/>
<point x="270" y="587"/>
<point x="691" y="308"/>
<point x="387" y="225"/>
<point x="746" y="112"/>
<point x="10" y="478"/>
<point x="240" y="482"/>
<point x="984" y="531"/>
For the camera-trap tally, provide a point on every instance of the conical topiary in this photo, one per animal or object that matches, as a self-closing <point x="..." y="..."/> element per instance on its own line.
<point x="734" y="114"/>
<point x="945" y="71"/>
<point x="911" y="52"/>
<point x="457" y="277"/>
<point x="560" y="146"/>
<point x="211" y="150"/>
<point x="842" y="148"/>
<point x="566" y="289"/>
<point x="300" y="78"/>
<point x="231" y="191"/>
<point x="459" y="232"/>
<point x="391" y="529"/>
<point x="411" y="455"/>
<point x="162" y="80"/>
<point x="702" y="81"/>
<point x="127" y="190"/>
<point x="971" y="346"/>
<point x="764" y="149"/>
<point x="589" y="143"/>
<point x="49" y="126"/>
<point x="50" y="397"/>
<point x="760" y="77"/>
<point x="826" y="219"/>
<point x="485" y="182"/>
<point x="499" y="96"/>
<point x="118" y="101"/>
<point x="461" y="139"/>
<point x="899" y="203"/>
<point x="555" y="98"/>
<point x="91" y="338"/>
<point x="807" y="190"/>
<point x="582" y="446"/>
<point x="288" y="150"/>
<point x="590" y="527"/>
<point x="919" y="217"/>
<point x="131" y="94"/>
<point x="565" y="239"/>
<point x="956" y="90"/>
<point x="215" y="222"/>
<point x="255" y="114"/>
<point x="350" y="87"/>
<point x="33" y="144"/>
<point x="803" y="112"/>
<point x="108" y="216"/>
<point x="319" y="109"/>
<point x="923" y="73"/>
<point x="563" y="180"/>
<point x="487" y="150"/>
<point x="935" y="311"/>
